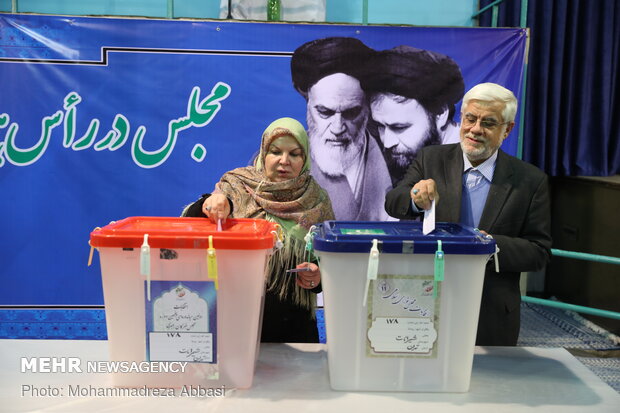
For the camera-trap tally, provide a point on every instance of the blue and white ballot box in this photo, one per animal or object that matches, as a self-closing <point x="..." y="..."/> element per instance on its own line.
<point x="401" y="308"/>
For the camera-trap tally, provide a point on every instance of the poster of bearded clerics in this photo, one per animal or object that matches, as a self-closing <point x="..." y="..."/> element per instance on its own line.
<point x="369" y="112"/>
<point x="106" y="118"/>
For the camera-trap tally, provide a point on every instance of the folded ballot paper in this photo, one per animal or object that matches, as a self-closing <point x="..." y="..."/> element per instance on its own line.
<point x="428" y="225"/>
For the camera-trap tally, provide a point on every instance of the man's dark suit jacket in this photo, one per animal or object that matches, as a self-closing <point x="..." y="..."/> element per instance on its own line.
<point x="516" y="214"/>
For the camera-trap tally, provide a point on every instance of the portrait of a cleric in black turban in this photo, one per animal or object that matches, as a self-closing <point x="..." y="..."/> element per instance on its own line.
<point x="368" y="113"/>
<point x="413" y="93"/>
<point x="346" y="161"/>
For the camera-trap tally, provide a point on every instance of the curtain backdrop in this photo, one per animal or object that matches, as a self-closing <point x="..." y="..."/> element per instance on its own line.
<point x="572" y="120"/>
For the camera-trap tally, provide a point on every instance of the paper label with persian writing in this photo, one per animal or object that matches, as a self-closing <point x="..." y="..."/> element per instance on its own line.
<point x="181" y="322"/>
<point x="403" y="317"/>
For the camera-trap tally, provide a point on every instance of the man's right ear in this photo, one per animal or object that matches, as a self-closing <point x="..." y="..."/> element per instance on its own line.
<point x="442" y="119"/>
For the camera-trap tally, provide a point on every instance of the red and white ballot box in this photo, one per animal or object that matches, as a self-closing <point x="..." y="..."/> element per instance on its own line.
<point x="401" y="308"/>
<point x="183" y="300"/>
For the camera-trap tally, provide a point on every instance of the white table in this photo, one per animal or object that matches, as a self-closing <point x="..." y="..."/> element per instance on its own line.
<point x="294" y="378"/>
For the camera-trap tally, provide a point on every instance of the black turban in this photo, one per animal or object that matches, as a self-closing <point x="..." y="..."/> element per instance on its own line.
<point x="319" y="58"/>
<point x="431" y="78"/>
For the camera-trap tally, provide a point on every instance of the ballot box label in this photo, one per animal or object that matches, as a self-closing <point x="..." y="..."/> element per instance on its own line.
<point x="181" y="322"/>
<point x="403" y="316"/>
<point x="362" y="231"/>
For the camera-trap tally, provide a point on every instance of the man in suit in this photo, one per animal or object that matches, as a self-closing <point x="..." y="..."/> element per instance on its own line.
<point x="346" y="161"/>
<point x="413" y="93"/>
<point x="482" y="186"/>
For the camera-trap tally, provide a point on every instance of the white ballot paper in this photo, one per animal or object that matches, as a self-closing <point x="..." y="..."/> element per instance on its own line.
<point x="429" y="219"/>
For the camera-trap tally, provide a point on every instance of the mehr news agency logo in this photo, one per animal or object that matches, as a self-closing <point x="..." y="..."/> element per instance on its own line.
<point x="75" y="365"/>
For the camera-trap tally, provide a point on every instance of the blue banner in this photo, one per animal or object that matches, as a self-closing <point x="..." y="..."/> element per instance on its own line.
<point x="105" y="118"/>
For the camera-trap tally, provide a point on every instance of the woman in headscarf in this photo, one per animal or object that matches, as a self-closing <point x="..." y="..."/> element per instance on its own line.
<point x="278" y="188"/>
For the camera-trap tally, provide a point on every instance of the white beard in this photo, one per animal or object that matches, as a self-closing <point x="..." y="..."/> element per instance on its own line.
<point x="478" y="153"/>
<point x="331" y="159"/>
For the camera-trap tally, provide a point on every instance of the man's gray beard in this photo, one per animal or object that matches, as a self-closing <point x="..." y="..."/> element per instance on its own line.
<point x="331" y="161"/>
<point x="398" y="162"/>
<point x="480" y="154"/>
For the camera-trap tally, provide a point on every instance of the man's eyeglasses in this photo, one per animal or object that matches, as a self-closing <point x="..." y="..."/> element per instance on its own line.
<point x="488" y="124"/>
